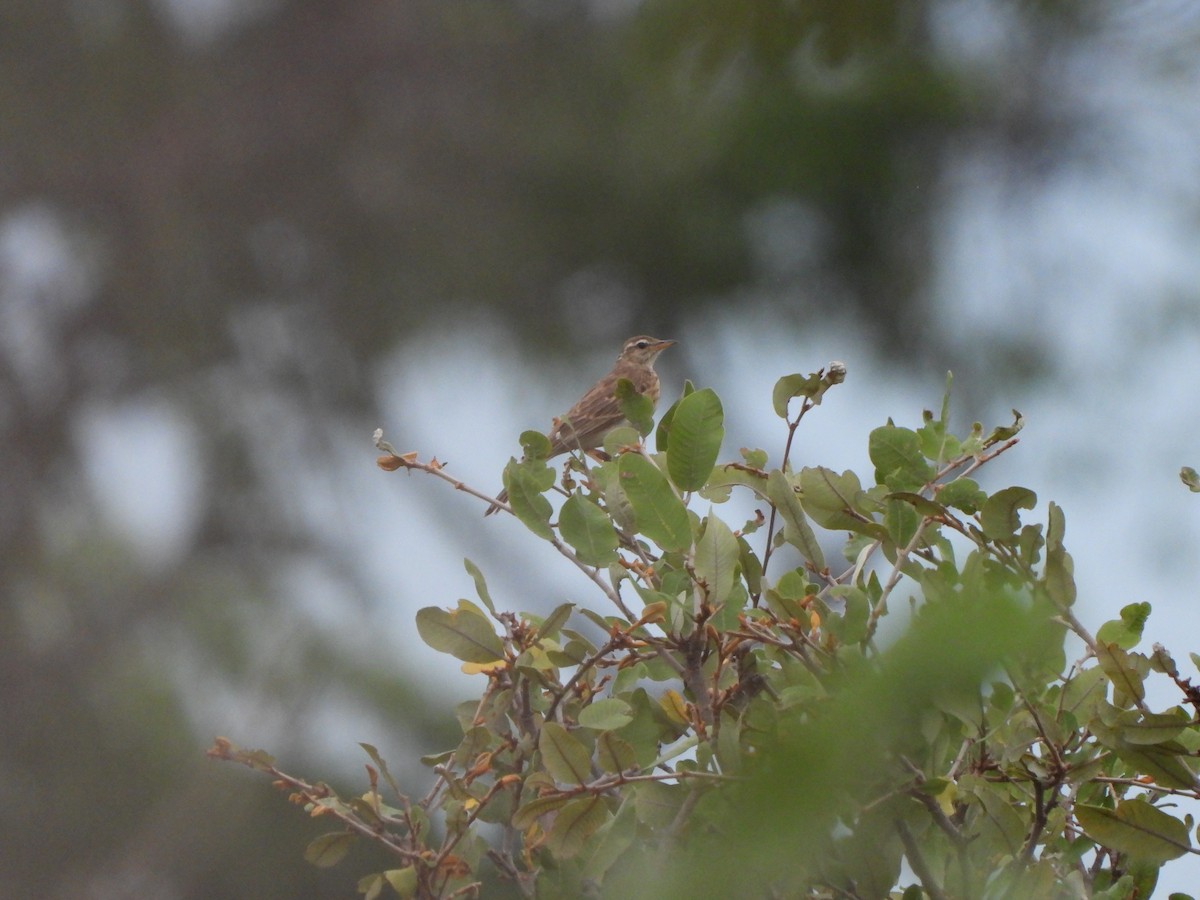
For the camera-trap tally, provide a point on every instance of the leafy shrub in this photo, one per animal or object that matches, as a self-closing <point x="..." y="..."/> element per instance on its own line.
<point x="724" y="728"/>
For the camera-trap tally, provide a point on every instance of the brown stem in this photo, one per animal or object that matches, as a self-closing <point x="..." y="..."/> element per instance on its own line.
<point x="917" y="860"/>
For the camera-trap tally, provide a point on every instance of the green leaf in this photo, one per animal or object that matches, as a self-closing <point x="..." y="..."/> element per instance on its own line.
<point x="619" y="439"/>
<point x="1161" y="762"/>
<point x="1146" y="728"/>
<point x="1126" y="631"/>
<point x="525" y="485"/>
<point x="790" y="386"/>
<point x="851" y="626"/>
<point x="1001" y="816"/>
<point x="752" y="570"/>
<point x="937" y="443"/>
<point x="786" y="595"/>
<point x="402" y="881"/>
<point x="606" y="714"/>
<point x="1004" y="432"/>
<point x="1136" y="828"/>
<point x="923" y="505"/>
<point x="833" y="500"/>
<point x="1120" y="669"/>
<point x="565" y="758"/>
<point x="660" y="514"/>
<point x="481" y="587"/>
<point x="604" y="623"/>
<point x="531" y="811"/>
<point x="663" y="433"/>
<point x="657" y="804"/>
<point x="381" y="765"/>
<point x="535" y="444"/>
<point x="724" y="476"/>
<point x="611" y="844"/>
<point x="796" y="529"/>
<point x="574" y="824"/>
<point x="371" y="886"/>
<point x="1164" y="662"/>
<point x="329" y="849"/>
<point x="999" y="516"/>
<point x="755" y="459"/>
<point x="539" y="657"/>
<point x="616" y="504"/>
<point x="1083" y="692"/>
<point x="556" y="620"/>
<point x="811" y="386"/>
<point x="1189" y="477"/>
<point x="464" y="633"/>
<point x="1060" y="577"/>
<point x="716" y="560"/>
<point x="697" y="430"/>
<point x="962" y="493"/>
<point x="729" y="752"/>
<point x="1126" y="887"/>
<point x="1056" y="526"/>
<point x="437" y="759"/>
<point x="903" y="515"/>
<point x="615" y="754"/>
<point x="638" y="409"/>
<point x="1029" y="545"/>
<point x="899" y="462"/>
<point x="647" y="730"/>
<point x="587" y="528"/>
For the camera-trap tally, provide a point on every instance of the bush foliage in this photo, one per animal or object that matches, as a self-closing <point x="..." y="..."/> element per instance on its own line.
<point x="726" y="722"/>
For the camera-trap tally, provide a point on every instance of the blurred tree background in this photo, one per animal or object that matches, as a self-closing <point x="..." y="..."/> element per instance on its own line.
<point x="218" y="220"/>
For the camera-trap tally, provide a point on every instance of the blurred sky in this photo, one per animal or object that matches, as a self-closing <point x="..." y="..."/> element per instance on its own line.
<point x="1095" y="263"/>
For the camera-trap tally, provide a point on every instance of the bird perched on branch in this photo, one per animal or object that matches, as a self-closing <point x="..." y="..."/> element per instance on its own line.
<point x="598" y="411"/>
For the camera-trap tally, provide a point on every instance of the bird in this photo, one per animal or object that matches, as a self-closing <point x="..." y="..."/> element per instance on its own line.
<point x="598" y="411"/>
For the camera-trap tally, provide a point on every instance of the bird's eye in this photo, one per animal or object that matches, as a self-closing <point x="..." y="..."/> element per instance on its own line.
<point x="642" y="345"/>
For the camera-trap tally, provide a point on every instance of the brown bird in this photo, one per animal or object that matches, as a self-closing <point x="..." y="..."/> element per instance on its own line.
<point x="598" y="411"/>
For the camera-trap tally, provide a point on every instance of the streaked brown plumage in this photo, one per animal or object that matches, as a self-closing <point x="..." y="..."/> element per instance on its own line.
<point x="598" y="411"/>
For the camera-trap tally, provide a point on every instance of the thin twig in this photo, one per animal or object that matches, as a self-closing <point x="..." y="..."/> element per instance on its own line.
<point x="916" y="859"/>
<point x="787" y="452"/>
<point x="897" y="573"/>
<point x="582" y="669"/>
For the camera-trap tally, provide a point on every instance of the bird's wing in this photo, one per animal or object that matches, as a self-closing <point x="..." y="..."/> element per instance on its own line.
<point x="596" y="413"/>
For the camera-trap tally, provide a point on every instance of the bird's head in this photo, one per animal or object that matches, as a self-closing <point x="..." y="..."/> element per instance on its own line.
<point x="643" y="350"/>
